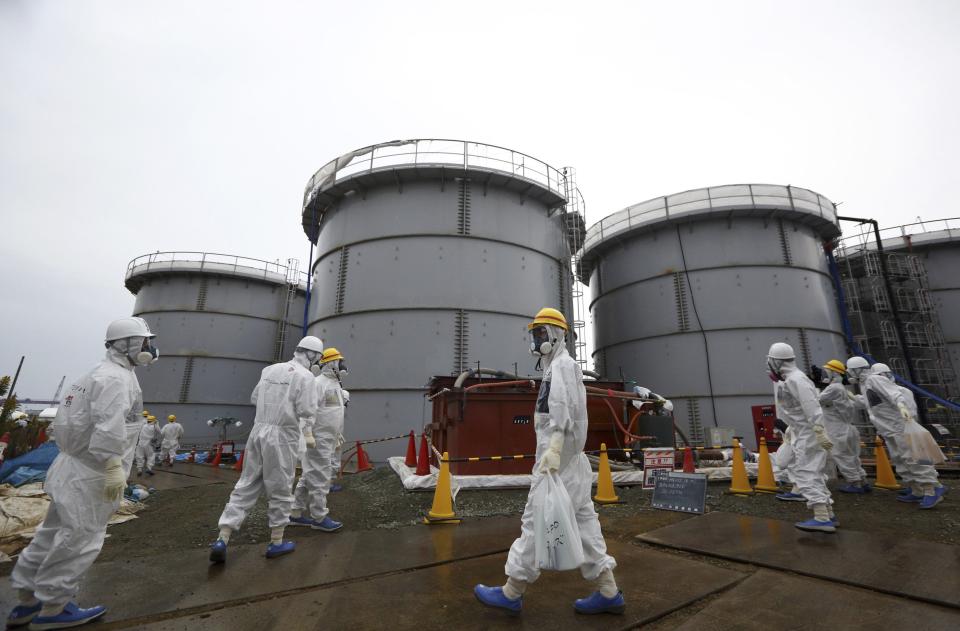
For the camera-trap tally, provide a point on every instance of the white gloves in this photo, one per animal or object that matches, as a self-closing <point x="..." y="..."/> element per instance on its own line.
<point x="340" y="440"/>
<point x="905" y="413"/>
<point x="115" y="480"/>
<point x="822" y="437"/>
<point x="551" y="458"/>
<point x="667" y="405"/>
<point x="346" y="395"/>
<point x="308" y="437"/>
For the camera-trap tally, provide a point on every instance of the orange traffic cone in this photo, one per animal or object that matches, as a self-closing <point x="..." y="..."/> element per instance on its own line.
<point x="739" y="482"/>
<point x="765" y="480"/>
<point x="688" y="466"/>
<point x="885" y="477"/>
<point x="216" y="459"/>
<point x="363" y="462"/>
<point x="239" y="465"/>
<point x="442" y="510"/>
<point x="606" y="494"/>
<point x="423" y="462"/>
<point x="411" y="460"/>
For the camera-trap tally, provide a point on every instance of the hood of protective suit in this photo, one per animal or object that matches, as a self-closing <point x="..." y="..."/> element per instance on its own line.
<point x="302" y="359"/>
<point x="559" y="348"/>
<point x="119" y="358"/>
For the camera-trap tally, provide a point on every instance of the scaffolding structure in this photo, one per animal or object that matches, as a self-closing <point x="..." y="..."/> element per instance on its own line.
<point x="873" y="325"/>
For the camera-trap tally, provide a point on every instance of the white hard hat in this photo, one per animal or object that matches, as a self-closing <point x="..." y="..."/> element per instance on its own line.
<point x="311" y="343"/>
<point x="127" y="327"/>
<point x="855" y="363"/>
<point x="879" y="369"/>
<point x="781" y="350"/>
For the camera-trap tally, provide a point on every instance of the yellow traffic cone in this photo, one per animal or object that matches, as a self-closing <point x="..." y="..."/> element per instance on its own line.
<point x="739" y="482"/>
<point x="885" y="477"/>
<point x="442" y="510"/>
<point x="765" y="480"/>
<point x="605" y="491"/>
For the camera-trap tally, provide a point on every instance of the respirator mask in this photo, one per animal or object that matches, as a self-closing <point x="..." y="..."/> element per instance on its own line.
<point x="140" y="351"/>
<point x="540" y="342"/>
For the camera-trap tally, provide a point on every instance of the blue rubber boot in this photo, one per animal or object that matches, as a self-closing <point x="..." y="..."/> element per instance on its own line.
<point x="327" y="525"/>
<point x="218" y="551"/>
<point x="852" y="488"/>
<point x="335" y="488"/>
<point x="906" y="491"/>
<point x="812" y="525"/>
<point x="941" y="490"/>
<point x="909" y="498"/>
<point x="598" y="603"/>
<point x="790" y="497"/>
<point x="275" y="550"/>
<point x="929" y="501"/>
<point x="301" y="521"/>
<point x="71" y="616"/>
<point x="493" y="597"/>
<point x="23" y="614"/>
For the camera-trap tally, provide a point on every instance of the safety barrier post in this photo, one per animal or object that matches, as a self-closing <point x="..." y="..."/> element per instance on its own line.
<point x="765" y="480"/>
<point x="442" y="510"/>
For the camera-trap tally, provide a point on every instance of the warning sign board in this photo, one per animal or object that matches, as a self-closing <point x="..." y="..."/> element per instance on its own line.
<point x="682" y="492"/>
<point x="656" y="461"/>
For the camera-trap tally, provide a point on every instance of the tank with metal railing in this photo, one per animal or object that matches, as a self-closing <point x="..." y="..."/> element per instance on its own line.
<point x="220" y="319"/>
<point x="431" y="258"/>
<point x="689" y="291"/>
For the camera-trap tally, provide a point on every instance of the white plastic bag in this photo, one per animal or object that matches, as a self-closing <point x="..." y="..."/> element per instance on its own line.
<point x="556" y="534"/>
<point x="920" y="445"/>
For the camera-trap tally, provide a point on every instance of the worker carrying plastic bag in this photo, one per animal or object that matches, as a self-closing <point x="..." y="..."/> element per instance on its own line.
<point x="561" y="425"/>
<point x="556" y="534"/>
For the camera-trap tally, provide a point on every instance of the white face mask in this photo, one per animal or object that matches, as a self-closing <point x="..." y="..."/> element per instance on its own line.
<point x="315" y="369"/>
<point x="540" y="343"/>
<point x="139" y="350"/>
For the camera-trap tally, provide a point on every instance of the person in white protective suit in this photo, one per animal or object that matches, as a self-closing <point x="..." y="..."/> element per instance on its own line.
<point x="171" y="434"/>
<point x="320" y="464"/>
<point x="798" y="405"/>
<point x="146" y="445"/>
<point x="561" y="427"/>
<point x="85" y="482"/>
<point x="839" y="414"/>
<point x="286" y="402"/>
<point x="890" y="410"/>
<point x="338" y="454"/>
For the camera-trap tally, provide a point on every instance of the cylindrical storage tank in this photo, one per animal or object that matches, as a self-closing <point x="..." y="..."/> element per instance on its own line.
<point x="220" y="320"/>
<point x="689" y="291"/>
<point x="431" y="258"/>
<point x="938" y="247"/>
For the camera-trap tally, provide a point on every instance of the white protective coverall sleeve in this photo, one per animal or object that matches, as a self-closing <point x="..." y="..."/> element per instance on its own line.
<point x="562" y="405"/>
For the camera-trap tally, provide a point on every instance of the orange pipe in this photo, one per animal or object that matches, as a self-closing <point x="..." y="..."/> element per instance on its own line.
<point x="499" y="384"/>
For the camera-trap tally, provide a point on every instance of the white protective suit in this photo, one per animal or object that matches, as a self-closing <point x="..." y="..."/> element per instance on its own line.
<point x="171" y="433"/>
<point x="320" y="463"/>
<point x="91" y="426"/>
<point x="783" y="460"/>
<point x="839" y="412"/>
<point x="149" y="434"/>
<point x="285" y="397"/>
<point x="798" y="406"/>
<point x="562" y="406"/>
<point x="883" y="398"/>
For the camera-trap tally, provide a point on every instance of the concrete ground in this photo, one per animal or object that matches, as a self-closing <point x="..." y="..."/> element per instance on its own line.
<point x="738" y="567"/>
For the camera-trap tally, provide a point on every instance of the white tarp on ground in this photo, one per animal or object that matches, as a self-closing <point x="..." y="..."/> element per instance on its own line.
<point x="411" y="481"/>
<point x="23" y="509"/>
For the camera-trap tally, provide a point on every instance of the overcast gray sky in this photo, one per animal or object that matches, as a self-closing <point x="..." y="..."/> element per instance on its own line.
<point x="129" y="127"/>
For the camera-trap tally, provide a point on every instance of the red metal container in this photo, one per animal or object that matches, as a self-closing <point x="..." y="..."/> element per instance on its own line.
<point x="764" y="417"/>
<point x="497" y="420"/>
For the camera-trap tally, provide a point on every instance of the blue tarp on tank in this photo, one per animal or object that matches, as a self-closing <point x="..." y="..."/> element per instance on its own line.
<point x="34" y="464"/>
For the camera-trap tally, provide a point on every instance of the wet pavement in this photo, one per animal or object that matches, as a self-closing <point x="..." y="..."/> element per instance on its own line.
<point x="904" y="567"/>
<point x="798" y="604"/>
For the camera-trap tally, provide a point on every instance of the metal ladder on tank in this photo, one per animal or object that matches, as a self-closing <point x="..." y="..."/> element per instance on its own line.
<point x="573" y="222"/>
<point x="293" y="284"/>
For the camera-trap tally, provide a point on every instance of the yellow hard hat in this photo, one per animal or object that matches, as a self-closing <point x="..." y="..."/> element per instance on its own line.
<point x="145" y="413"/>
<point x="549" y="315"/>
<point x="836" y="366"/>
<point x="172" y="418"/>
<point x="151" y="418"/>
<point x="330" y="354"/>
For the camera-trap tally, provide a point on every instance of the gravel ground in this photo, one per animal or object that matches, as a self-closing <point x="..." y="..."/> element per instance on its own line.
<point x="183" y="519"/>
<point x="186" y="518"/>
